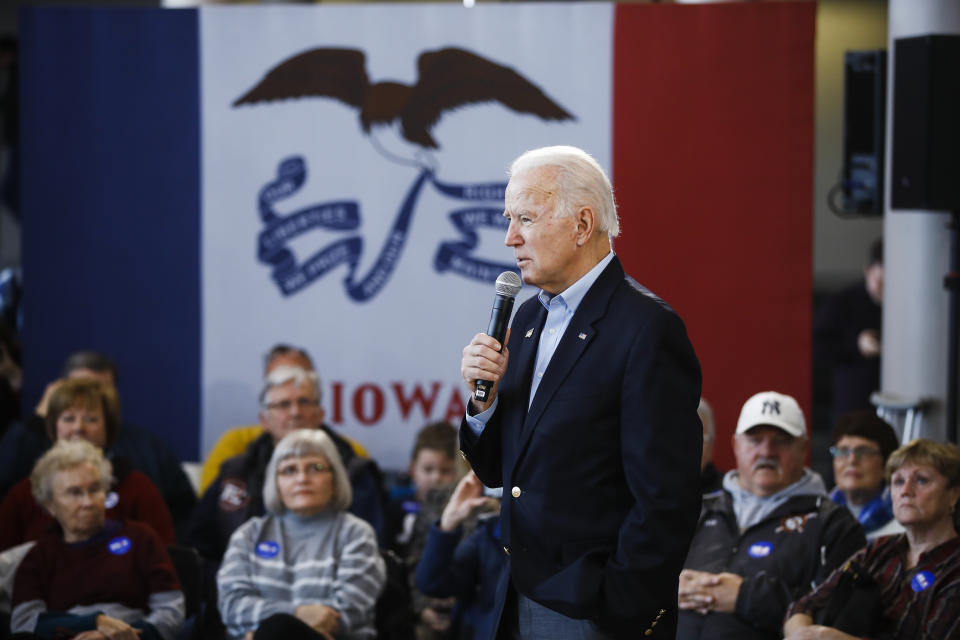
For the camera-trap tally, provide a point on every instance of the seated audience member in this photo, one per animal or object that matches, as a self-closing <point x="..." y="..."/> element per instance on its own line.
<point x="290" y="401"/>
<point x="432" y="465"/>
<point x="93" y="577"/>
<point x="710" y="478"/>
<point x="307" y="569"/>
<point x="468" y="570"/>
<point x="862" y="442"/>
<point x="140" y="448"/>
<point x="907" y="586"/>
<point x="235" y="441"/>
<point x="433" y="472"/>
<point x="769" y="535"/>
<point x="83" y="409"/>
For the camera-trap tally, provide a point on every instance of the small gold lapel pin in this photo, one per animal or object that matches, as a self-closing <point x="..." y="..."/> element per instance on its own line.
<point x="529" y="333"/>
<point x="582" y="336"/>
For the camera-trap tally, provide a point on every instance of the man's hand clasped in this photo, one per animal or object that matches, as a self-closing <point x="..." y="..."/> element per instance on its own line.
<point x="703" y="592"/>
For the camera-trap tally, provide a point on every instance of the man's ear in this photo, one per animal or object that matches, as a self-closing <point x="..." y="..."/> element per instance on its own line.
<point x="586" y="219"/>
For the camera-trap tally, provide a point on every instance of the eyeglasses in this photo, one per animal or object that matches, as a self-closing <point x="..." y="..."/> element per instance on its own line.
<point x="314" y="469"/>
<point x="857" y="452"/>
<point x="285" y="405"/>
<point x="76" y="494"/>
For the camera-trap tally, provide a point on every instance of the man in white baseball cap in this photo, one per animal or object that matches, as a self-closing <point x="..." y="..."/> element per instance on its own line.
<point x="767" y="535"/>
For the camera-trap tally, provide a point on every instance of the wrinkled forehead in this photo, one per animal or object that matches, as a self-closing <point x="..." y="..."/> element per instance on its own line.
<point x="91" y="374"/>
<point x="76" y="475"/>
<point x="538" y="184"/>
<point x="291" y="389"/>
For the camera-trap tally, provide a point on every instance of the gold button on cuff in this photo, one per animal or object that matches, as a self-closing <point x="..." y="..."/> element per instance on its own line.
<point x="648" y="632"/>
<point x="515" y="492"/>
<point x="506" y="550"/>
<point x="662" y="611"/>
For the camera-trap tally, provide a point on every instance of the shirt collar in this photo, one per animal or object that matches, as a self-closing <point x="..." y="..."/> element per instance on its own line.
<point x="573" y="295"/>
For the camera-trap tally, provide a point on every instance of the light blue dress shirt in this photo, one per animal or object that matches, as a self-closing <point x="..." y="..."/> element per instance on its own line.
<point x="560" y="309"/>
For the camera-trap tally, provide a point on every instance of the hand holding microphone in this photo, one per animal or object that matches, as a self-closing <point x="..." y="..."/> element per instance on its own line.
<point x="485" y="358"/>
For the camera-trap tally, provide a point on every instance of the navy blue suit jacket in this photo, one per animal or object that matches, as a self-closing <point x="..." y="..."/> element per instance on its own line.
<point x="601" y="476"/>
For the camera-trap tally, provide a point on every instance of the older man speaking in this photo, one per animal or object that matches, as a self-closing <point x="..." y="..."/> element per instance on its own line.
<point x="591" y="428"/>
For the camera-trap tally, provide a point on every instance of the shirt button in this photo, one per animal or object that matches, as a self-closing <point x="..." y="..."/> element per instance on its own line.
<point x="539" y="374"/>
<point x="552" y="331"/>
<point x="515" y="492"/>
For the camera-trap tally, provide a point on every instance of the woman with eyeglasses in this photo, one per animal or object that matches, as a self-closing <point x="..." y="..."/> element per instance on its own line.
<point x="307" y="569"/>
<point x="862" y="442"/>
<point x="900" y="587"/>
<point x="86" y="409"/>
<point x="92" y="577"/>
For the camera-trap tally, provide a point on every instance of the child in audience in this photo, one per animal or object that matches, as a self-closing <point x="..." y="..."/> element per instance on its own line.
<point x="433" y="472"/>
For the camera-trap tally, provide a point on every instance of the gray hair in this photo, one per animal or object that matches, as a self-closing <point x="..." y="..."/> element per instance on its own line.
<point x="706" y="417"/>
<point x="283" y="375"/>
<point x="581" y="181"/>
<point x="307" y="442"/>
<point x="62" y="456"/>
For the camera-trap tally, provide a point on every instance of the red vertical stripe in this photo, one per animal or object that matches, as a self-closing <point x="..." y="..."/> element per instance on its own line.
<point x="713" y="168"/>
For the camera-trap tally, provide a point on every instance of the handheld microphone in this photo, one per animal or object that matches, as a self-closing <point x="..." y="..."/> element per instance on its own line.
<point x="508" y="286"/>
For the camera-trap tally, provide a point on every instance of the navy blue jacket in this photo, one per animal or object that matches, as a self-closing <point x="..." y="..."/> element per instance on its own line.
<point x="601" y="476"/>
<point x="468" y="570"/>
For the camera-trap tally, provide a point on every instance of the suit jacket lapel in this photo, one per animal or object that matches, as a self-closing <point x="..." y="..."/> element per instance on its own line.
<point x="576" y="338"/>
<point x="525" y="357"/>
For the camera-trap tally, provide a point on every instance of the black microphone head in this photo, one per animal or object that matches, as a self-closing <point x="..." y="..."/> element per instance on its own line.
<point x="509" y="284"/>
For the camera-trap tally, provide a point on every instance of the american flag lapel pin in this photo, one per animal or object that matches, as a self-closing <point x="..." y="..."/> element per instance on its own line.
<point x="582" y="336"/>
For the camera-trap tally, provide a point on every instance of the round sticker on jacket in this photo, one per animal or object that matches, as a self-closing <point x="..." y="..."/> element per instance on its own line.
<point x="922" y="581"/>
<point x="760" y="549"/>
<point x="119" y="545"/>
<point x="268" y="549"/>
<point x="111" y="500"/>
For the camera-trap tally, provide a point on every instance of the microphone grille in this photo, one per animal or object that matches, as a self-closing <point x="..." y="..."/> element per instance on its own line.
<point x="509" y="284"/>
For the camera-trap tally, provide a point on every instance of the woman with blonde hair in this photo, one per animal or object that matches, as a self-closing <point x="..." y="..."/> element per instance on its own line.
<point x="905" y="586"/>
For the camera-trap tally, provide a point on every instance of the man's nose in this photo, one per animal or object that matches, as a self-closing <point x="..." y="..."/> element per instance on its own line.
<point x="765" y="447"/>
<point x="512" y="238"/>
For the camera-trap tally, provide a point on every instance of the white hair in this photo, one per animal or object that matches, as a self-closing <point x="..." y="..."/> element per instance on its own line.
<point x="300" y="443"/>
<point x="63" y="456"/>
<point x="285" y="374"/>
<point x="581" y="182"/>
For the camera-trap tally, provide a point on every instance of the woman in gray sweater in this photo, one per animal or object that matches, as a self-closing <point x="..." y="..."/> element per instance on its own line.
<point x="308" y="569"/>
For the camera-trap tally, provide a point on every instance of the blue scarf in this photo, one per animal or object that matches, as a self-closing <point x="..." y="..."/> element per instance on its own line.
<point x="875" y="514"/>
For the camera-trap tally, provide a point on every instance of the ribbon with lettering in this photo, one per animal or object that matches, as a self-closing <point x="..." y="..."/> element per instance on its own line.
<point x="344" y="215"/>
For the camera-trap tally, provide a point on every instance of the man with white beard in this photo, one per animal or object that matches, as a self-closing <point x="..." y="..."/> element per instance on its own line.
<point x="767" y="536"/>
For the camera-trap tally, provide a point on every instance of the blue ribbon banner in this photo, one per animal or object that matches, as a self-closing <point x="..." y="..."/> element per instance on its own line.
<point x="344" y="215"/>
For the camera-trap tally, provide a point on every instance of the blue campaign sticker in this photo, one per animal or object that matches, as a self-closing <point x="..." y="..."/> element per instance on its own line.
<point x="119" y="545"/>
<point x="112" y="500"/>
<point x="922" y="581"/>
<point x="760" y="549"/>
<point x="268" y="549"/>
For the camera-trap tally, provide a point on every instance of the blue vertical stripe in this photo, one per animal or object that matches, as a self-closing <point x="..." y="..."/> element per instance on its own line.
<point x="110" y="113"/>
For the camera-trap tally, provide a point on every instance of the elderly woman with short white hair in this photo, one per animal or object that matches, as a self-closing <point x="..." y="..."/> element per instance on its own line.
<point x="92" y="578"/>
<point x="307" y="569"/>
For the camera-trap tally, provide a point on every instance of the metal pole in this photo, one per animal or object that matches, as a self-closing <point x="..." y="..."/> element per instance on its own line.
<point x="952" y="283"/>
